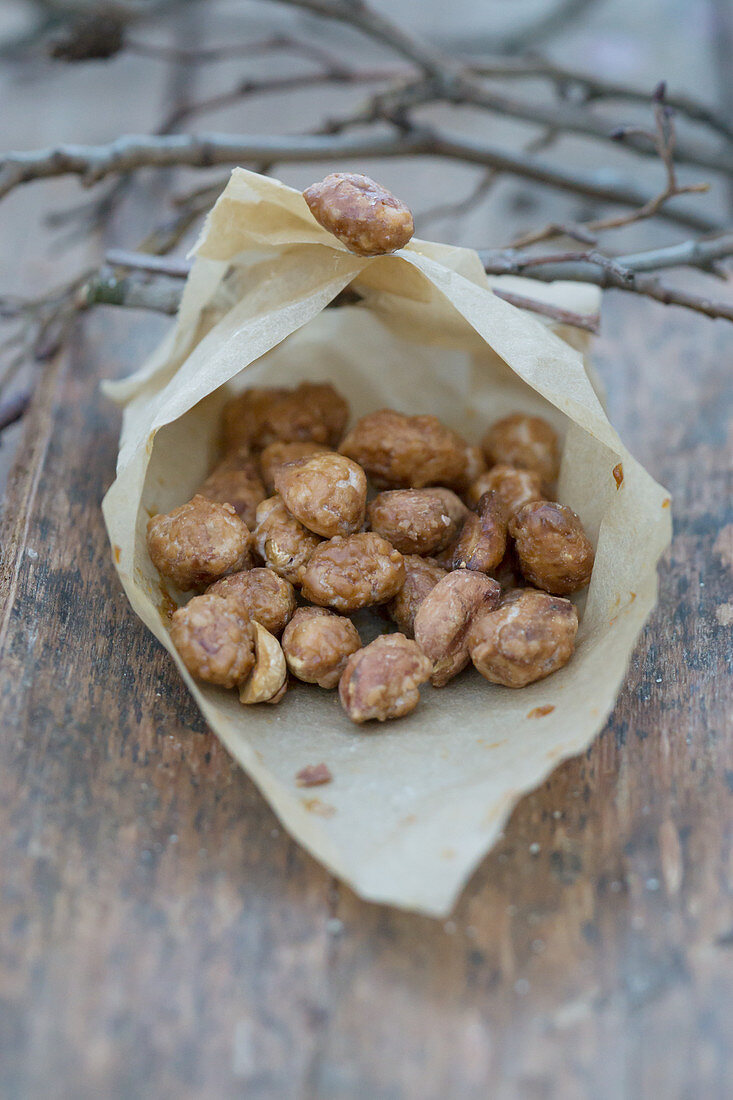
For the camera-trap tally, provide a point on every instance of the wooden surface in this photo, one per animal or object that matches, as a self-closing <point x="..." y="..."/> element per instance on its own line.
<point x="161" y="936"/>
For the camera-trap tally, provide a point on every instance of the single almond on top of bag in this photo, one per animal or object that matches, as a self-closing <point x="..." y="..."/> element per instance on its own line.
<point x="362" y="214"/>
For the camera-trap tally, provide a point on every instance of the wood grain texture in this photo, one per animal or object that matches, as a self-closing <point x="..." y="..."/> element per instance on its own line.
<point x="160" y="934"/>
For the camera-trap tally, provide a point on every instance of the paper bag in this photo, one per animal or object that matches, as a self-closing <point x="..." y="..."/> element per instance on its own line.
<point x="413" y="804"/>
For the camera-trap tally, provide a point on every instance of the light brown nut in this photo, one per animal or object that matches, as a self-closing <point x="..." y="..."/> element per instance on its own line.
<point x="278" y="694"/>
<point x="243" y="416"/>
<point x="553" y="549"/>
<point x="317" y="644"/>
<point x="473" y="467"/>
<point x="529" y="636"/>
<point x="352" y="572"/>
<point x="482" y="541"/>
<point x="362" y="214"/>
<point x="452" y="503"/>
<point x="313" y="412"/>
<point x="444" y="558"/>
<point x="382" y="680"/>
<point x="421" y="577"/>
<point x="278" y="453"/>
<point x="237" y="458"/>
<point x="515" y="487"/>
<point x="415" y="521"/>
<point x="410" y="452"/>
<point x="262" y="595"/>
<point x="215" y="641"/>
<point x="444" y="619"/>
<point x="198" y="543"/>
<point x="507" y="572"/>
<point x="282" y="542"/>
<point x="525" y="441"/>
<point x="326" y="492"/>
<point x="236" y="481"/>
<point x="270" y="672"/>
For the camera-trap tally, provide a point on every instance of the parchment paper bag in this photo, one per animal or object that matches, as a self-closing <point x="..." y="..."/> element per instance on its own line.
<point x="414" y="804"/>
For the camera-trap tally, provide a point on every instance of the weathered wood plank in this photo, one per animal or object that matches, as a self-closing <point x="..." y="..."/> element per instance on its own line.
<point x="162" y="936"/>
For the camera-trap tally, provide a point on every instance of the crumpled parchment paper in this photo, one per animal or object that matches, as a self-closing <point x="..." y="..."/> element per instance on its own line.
<point x="414" y="804"/>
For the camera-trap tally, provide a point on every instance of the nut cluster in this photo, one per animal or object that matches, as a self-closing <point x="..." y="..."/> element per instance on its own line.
<point x="460" y="546"/>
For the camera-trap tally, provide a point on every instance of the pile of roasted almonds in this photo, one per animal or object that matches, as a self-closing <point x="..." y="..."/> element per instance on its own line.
<point x="301" y="525"/>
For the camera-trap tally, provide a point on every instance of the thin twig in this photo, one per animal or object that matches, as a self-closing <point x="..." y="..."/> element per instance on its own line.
<point x="357" y="14"/>
<point x="589" y="322"/>
<point x="444" y="80"/>
<point x="723" y="50"/>
<point x="595" y="87"/>
<point x="702" y="254"/>
<point x="627" y="272"/>
<point x="699" y="254"/>
<point x="617" y="273"/>
<point x="546" y="25"/>
<point x="139" y="261"/>
<point x="165" y="298"/>
<point x="201" y="55"/>
<point x="14" y="409"/>
<point x="160" y="295"/>
<point x="465" y="90"/>
<point x="663" y="139"/>
<point x="14" y="49"/>
<point x="95" y="162"/>
<point x="464" y="206"/>
<point x="248" y="89"/>
<point x="582" y="266"/>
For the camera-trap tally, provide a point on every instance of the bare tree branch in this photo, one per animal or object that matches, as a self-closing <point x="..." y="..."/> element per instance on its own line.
<point x="95" y="162"/>
<point x="448" y="81"/>
<point x="664" y="140"/>
<point x="245" y="89"/>
<point x="591" y="323"/>
<point x="701" y="254"/>
<point x="463" y="206"/>
<point x="617" y="273"/>
<point x="625" y="272"/>
<point x="161" y="295"/>
<point x="356" y="13"/>
<point x="201" y="55"/>
<point x="465" y="90"/>
<point x="141" y="261"/>
<point x="128" y="11"/>
<point x="137" y="294"/>
<point x="595" y="87"/>
<point x="723" y="47"/>
<point x="14" y="409"/>
<point x="591" y="86"/>
<point x="614" y="273"/>
<point x="154" y="283"/>
<point x="547" y="25"/>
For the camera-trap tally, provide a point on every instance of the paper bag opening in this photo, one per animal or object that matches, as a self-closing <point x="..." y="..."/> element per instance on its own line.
<point x="415" y="804"/>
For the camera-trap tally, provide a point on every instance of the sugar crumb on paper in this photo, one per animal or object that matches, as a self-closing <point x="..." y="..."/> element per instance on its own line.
<point x="313" y="775"/>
